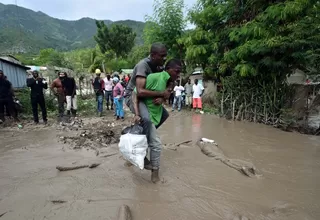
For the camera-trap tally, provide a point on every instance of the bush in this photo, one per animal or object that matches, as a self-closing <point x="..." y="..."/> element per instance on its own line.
<point x="86" y="104"/>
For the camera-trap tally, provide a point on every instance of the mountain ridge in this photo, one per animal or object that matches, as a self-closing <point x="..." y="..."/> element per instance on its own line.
<point x="26" y="31"/>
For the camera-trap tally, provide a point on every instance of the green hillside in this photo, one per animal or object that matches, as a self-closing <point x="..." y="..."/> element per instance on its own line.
<point x="23" y="30"/>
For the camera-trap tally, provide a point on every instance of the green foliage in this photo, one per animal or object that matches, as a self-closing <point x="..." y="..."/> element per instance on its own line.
<point x="138" y="53"/>
<point x="118" y="38"/>
<point x="252" y="46"/>
<point x="24" y="97"/>
<point x="51" y="57"/>
<point x="25" y="31"/>
<point x="166" y="25"/>
<point x="253" y="37"/>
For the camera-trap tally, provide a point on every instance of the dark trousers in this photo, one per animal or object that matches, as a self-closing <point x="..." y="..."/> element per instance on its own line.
<point x="61" y="101"/>
<point x="171" y="99"/>
<point x="109" y="98"/>
<point x="35" y="101"/>
<point x="9" y="105"/>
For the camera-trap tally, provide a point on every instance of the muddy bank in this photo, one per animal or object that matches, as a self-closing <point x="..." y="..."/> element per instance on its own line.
<point x="193" y="185"/>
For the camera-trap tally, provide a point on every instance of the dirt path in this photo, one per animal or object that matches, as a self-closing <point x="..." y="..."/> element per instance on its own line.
<point x="193" y="185"/>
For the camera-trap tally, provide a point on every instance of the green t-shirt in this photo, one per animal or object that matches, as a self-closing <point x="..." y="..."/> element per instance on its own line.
<point x="155" y="82"/>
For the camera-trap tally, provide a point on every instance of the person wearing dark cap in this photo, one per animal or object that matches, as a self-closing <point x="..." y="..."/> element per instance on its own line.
<point x="37" y="84"/>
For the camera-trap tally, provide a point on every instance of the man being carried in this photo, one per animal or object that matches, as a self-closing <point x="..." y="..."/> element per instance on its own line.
<point x="152" y="64"/>
<point x="37" y="85"/>
<point x="156" y="82"/>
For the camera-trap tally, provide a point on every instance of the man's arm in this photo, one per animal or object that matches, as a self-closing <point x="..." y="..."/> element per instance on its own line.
<point x="74" y="87"/>
<point x="53" y="86"/>
<point x="202" y="90"/>
<point x="45" y="84"/>
<point x="135" y="102"/>
<point x="143" y="93"/>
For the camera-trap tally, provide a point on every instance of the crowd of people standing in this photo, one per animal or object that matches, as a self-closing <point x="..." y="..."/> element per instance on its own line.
<point x="112" y="89"/>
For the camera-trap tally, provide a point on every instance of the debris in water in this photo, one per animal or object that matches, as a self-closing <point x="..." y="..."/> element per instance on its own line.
<point x="206" y="140"/>
<point x="3" y="214"/>
<point x="65" y="168"/>
<point x="58" y="201"/>
<point x="212" y="150"/>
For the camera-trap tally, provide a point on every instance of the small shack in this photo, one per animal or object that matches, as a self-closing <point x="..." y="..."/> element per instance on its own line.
<point x="14" y="70"/>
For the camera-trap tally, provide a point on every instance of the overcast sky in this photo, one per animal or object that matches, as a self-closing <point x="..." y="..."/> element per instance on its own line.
<point x="98" y="9"/>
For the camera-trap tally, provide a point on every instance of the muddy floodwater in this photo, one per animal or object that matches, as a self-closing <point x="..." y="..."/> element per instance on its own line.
<point x="193" y="185"/>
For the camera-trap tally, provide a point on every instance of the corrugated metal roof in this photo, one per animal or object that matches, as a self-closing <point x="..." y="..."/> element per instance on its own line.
<point x="13" y="63"/>
<point x="16" y="74"/>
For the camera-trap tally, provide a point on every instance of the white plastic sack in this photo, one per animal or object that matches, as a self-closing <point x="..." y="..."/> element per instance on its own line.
<point x="133" y="147"/>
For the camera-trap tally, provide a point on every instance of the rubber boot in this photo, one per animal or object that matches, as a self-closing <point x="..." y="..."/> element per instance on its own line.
<point x="74" y="113"/>
<point x="68" y="113"/>
<point x="147" y="164"/>
<point x="155" y="176"/>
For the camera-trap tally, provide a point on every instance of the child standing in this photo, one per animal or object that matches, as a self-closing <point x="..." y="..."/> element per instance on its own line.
<point x="118" y="98"/>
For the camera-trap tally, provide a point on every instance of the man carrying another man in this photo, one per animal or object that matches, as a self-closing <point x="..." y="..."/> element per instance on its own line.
<point x="147" y="66"/>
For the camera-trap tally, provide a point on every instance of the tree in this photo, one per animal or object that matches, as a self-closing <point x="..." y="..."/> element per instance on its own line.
<point x="118" y="38"/>
<point x="137" y="53"/>
<point x="166" y="25"/>
<point x="254" y="45"/>
<point x="51" y="57"/>
<point x="121" y="39"/>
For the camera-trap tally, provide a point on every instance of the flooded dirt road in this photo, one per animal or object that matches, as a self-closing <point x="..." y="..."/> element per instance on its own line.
<point x="193" y="185"/>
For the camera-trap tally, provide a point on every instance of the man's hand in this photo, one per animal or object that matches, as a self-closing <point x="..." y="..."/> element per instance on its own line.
<point x="136" y="119"/>
<point x="158" y="101"/>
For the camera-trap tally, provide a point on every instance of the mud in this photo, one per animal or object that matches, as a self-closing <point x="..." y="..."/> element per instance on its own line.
<point x="244" y="167"/>
<point x="192" y="186"/>
<point x="91" y="135"/>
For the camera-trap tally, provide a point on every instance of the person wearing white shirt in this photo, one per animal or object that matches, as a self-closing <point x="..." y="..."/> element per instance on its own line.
<point x="178" y="89"/>
<point x="108" y="86"/>
<point x="197" y="90"/>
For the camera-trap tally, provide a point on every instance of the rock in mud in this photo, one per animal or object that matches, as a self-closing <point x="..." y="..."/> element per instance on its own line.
<point x="212" y="150"/>
<point x="124" y="213"/>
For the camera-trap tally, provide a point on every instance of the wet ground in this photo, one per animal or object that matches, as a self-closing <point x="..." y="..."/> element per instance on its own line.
<point x="193" y="185"/>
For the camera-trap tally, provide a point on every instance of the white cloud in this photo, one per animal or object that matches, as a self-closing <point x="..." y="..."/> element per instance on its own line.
<point x="98" y="9"/>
